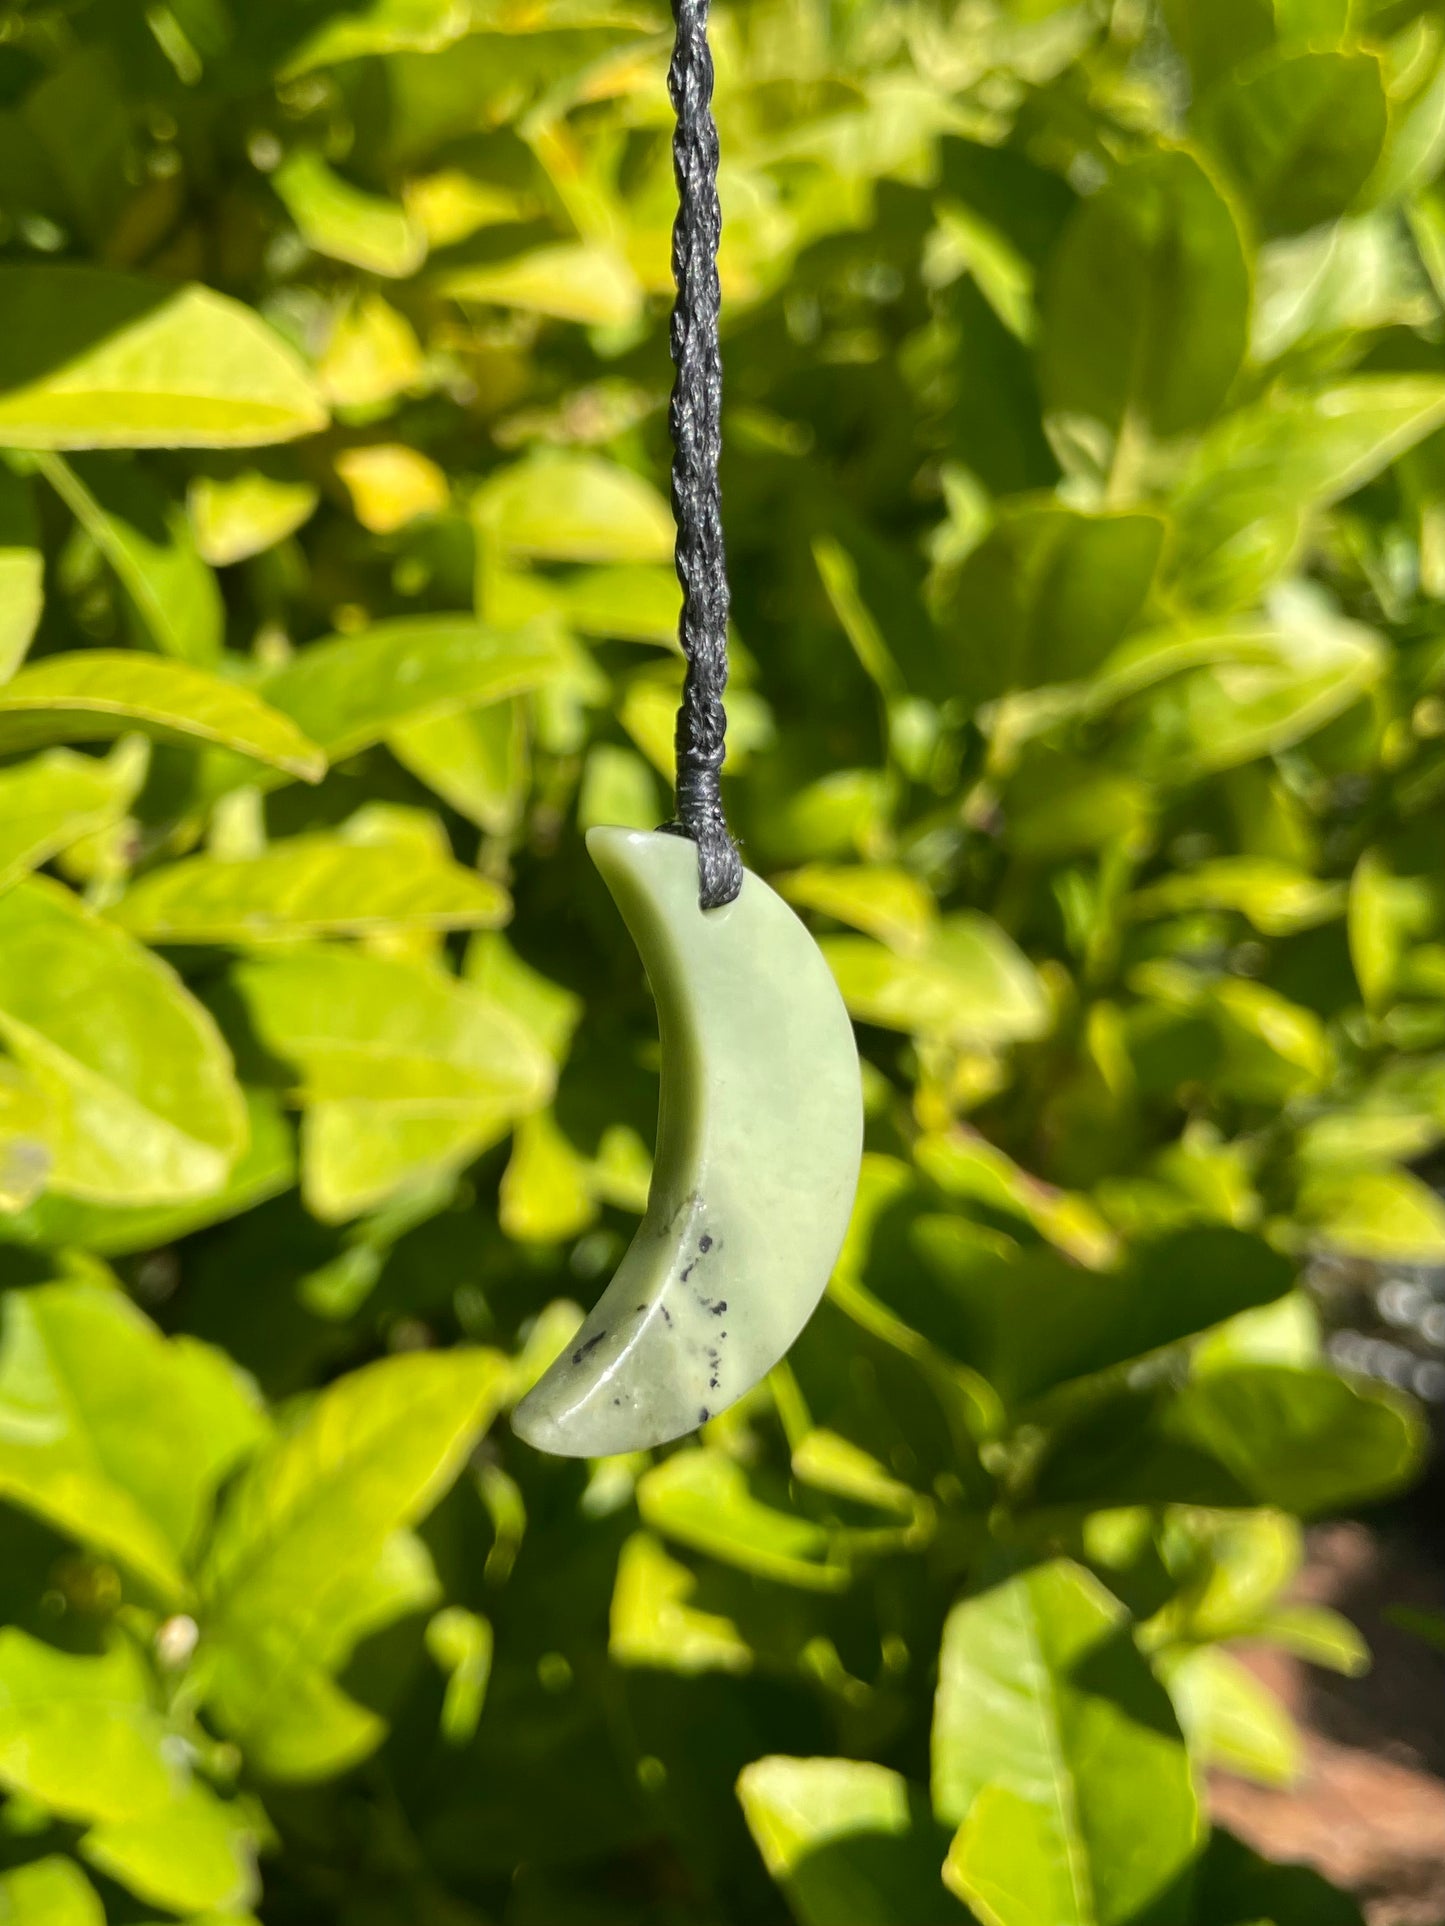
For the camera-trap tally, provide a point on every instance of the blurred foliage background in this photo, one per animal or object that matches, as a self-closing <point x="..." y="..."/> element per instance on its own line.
<point x="1085" y="487"/>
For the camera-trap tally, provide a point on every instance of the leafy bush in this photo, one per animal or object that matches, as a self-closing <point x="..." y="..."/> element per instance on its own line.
<point x="1085" y="482"/>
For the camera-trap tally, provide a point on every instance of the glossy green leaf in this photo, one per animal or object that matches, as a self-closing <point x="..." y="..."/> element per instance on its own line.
<point x="376" y="27"/>
<point x="147" y="540"/>
<point x="1300" y="133"/>
<point x="1385" y="1215"/>
<point x="306" y="1539"/>
<point x="574" y="508"/>
<point x="350" y="691"/>
<point x="969" y="984"/>
<point x="653" y="1624"/>
<point x="462" y="1645"/>
<point x="701" y="1499"/>
<point x="49" y="1892"/>
<point x="306" y="886"/>
<point x="81" y="1735"/>
<point x="405" y="1072"/>
<point x="234" y="517"/>
<point x="1050" y="1738"/>
<point x="1049" y="593"/>
<point x="96" y="694"/>
<point x="22" y="571"/>
<point x="1233" y="1722"/>
<point x="265" y="1168"/>
<point x="144" y="1100"/>
<point x="54" y="799"/>
<point x="576" y="281"/>
<point x="1146" y="311"/>
<point x="846" y="1838"/>
<point x="93" y="359"/>
<point x="115" y="1434"/>
<point x="477" y="760"/>
<point x="343" y="222"/>
<point x="195" y="1852"/>
<point x="883" y="902"/>
<point x="1259" y="472"/>
<point x="1267" y="1425"/>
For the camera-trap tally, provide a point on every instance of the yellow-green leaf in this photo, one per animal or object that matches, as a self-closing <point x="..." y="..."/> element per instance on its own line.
<point x="93" y="359"/>
<point x="145" y="1105"/>
<point x="95" y="694"/>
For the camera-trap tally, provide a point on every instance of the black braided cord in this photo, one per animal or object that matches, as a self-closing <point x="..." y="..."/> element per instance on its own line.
<point x="696" y="422"/>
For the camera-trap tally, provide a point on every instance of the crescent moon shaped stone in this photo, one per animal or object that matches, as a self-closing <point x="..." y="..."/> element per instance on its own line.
<point x="759" y="1142"/>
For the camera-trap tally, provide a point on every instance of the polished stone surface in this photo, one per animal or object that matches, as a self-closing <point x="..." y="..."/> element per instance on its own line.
<point x="759" y="1140"/>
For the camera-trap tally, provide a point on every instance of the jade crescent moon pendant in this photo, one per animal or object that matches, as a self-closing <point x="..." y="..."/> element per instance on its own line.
<point x="759" y="1142"/>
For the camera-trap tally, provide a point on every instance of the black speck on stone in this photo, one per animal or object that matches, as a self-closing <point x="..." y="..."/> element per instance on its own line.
<point x="712" y="1384"/>
<point x="718" y="1308"/>
<point x="704" y="1243"/>
<point x="666" y="1316"/>
<point x="591" y="1345"/>
<point x="703" y="1415"/>
<point x="688" y="1269"/>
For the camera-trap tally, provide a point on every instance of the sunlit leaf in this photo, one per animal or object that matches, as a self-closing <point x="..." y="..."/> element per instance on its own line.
<point x="1050" y="1737"/>
<point x="115" y="1434"/>
<point x="147" y="540"/>
<point x="93" y="359"/>
<point x="96" y="694"/>
<point x="145" y="1106"/>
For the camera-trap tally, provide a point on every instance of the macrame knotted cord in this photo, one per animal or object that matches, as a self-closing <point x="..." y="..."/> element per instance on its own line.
<point x="695" y="418"/>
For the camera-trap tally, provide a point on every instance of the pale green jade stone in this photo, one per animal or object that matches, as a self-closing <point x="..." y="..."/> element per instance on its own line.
<point x="759" y="1141"/>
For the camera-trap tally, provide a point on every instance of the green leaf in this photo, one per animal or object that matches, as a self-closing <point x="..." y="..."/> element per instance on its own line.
<point x="633" y="602"/>
<point x="1288" y="680"/>
<point x="1232" y="1721"/>
<point x="462" y="1645"/>
<point x="53" y="800"/>
<point x="1278" y="898"/>
<point x="1387" y="913"/>
<point x="583" y="281"/>
<point x="265" y="1168"/>
<point x="377" y="27"/>
<point x="1300" y="133"/>
<point x="343" y="222"/>
<point x="1305" y="1440"/>
<point x="197" y="1852"/>
<point x="969" y="984"/>
<point x="1029" y="1319"/>
<point x="407" y="1073"/>
<point x="49" y="1892"/>
<point x="653" y="1624"/>
<point x="574" y="508"/>
<point x="81" y="1735"/>
<point x="304" y="1561"/>
<point x="350" y="691"/>
<point x="145" y="1106"/>
<point x="477" y="760"/>
<point x="96" y="694"/>
<point x="234" y="517"/>
<point x="702" y="1499"/>
<point x="306" y="886"/>
<point x="113" y="1433"/>
<point x="1381" y="1215"/>
<point x="1146" y="310"/>
<point x="847" y="1839"/>
<point x="1049" y="593"/>
<point x="22" y="571"/>
<point x="147" y="540"/>
<point x="1263" y="469"/>
<point x="1050" y="1738"/>
<point x="890" y="904"/>
<point x="93" y="359"/>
